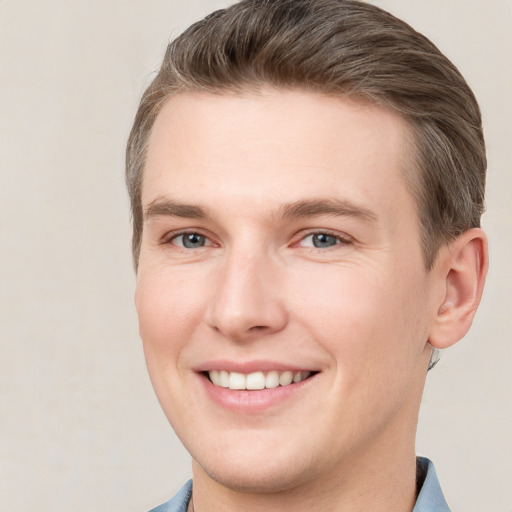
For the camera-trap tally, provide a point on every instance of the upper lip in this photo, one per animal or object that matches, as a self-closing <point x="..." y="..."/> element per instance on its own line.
<point x="247" y="367"/>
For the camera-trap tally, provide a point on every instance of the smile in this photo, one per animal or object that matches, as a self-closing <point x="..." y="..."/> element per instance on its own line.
<point x="256" y="380"/>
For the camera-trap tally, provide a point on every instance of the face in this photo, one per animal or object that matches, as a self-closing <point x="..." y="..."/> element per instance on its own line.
<point x="283" y="301"/>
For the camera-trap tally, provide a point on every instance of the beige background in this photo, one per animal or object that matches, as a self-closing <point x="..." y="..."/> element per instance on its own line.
<point x="80" y="427"/>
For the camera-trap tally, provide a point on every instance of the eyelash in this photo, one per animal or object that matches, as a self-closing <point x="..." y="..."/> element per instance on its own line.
<point x="173" y="236"/>
<point x="340" y="239"/>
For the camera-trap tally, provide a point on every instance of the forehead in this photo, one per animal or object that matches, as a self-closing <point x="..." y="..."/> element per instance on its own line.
<point x="276" y="146"/>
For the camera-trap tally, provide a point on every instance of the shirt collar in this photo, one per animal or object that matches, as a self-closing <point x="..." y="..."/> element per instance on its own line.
<point x="430" y="497"/>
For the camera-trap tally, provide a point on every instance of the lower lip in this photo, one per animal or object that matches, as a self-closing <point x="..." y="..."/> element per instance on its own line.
<point x="252" y="402"/>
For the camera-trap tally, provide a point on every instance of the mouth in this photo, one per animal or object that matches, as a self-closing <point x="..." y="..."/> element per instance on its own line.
<point x="256" y="380"/>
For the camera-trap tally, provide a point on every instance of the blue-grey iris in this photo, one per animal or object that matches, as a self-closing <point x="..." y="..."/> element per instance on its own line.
<point x="321" y="240"/>
<point x="193" y="240"/>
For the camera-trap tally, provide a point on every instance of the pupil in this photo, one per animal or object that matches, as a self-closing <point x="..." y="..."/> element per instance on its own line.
<point x="193" y="240"/>
<point x="324" y="240"/>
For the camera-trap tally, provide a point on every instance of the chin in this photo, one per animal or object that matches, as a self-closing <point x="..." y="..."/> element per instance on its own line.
<point x="259" y="473"/>
<point x="246" y="480"/>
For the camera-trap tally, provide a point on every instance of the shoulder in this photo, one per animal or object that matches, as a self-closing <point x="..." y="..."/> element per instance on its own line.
<point x="179" y="503"/>
<point x="430" y="496"/>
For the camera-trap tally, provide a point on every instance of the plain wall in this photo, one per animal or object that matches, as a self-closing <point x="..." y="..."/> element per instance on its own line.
<point x="80" y="427"/>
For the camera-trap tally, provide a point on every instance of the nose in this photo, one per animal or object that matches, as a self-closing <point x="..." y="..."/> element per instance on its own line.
<point x="247" y="302"/>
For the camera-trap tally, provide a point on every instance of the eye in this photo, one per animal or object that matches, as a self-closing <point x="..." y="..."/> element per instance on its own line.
<point x="322" y="240"/>
<point x="190" y="240"/>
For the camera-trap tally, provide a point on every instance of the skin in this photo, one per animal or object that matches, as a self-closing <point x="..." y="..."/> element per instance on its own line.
<point x="258" y="175"/>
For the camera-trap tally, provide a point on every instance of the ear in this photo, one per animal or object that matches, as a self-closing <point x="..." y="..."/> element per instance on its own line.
<point x="461" y="269"/>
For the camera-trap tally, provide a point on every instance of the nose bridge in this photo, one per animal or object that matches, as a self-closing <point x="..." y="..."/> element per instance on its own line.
<point x="246" y="300"/>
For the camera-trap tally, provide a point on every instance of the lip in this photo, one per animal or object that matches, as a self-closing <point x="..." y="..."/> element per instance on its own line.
<point x="253" y="401"/>
<point x="246" y="367"/>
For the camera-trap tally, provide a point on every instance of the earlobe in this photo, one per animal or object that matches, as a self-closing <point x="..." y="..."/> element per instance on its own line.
<point x="462" y="269"/>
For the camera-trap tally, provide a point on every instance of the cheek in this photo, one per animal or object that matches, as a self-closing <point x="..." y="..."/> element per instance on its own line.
<point x="168" y="309"/>
<point x="365" y="318"/>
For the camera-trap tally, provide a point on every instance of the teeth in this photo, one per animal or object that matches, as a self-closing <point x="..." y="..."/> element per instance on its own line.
<point x="272" y="380"/>
<point x="256" y="380"/>
<point x="215" y="378"/>
<point x="224" y="379"/>
<point x="286" y="378"/>
<point x="237" y="381"/>
<point x="297" y="377"/>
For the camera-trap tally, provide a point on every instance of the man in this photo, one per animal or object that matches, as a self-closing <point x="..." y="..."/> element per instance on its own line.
<point x="307" y="181"/>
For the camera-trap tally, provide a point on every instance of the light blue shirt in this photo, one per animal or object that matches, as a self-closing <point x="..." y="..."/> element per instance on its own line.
<point x="430" y="497"/>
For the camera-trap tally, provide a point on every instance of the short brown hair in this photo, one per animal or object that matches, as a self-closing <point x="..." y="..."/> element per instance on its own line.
<point x="337" y="47"/>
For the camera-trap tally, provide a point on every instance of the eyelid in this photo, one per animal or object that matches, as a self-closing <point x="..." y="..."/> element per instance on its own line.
<point x="343" y="238"/>
<point x="170" y="236"/>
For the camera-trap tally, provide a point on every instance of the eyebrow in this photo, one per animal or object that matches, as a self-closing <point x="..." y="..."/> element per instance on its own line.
<point x="161" y="207"/>
<point x="332" y="207"/>
<point x="166" y="208"/>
